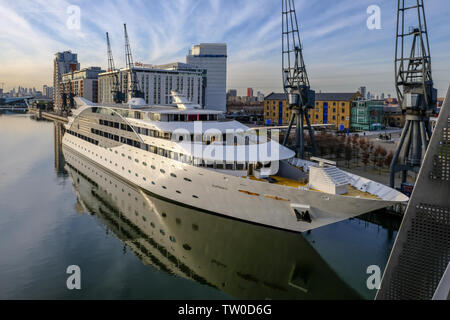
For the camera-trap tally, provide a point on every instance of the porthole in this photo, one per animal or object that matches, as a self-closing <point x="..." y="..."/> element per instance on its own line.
<point x="162" y="232"/>
<point x="178" y="191"/>
<point x="153" y="167"/>
<point x="129" y="157"/>
<point x="144" y="164"/>
<point x="137" y="161"/>
<point x="153" y="182"/>
<point x="145" y="179"/>
<point x="194" y="196"/>
<point x="173" y="175"/>
<point x="162" y="171"/>
<point x="164" y="187"/>
<point x="152" y="224"/>
<point x="172" y="238"/>
<point x="187" y="179"/>
<point x="195" y="227"/>
<point x="164" y="214"/>
<point x="129" y="171"/>
<point x="186" y="247"/>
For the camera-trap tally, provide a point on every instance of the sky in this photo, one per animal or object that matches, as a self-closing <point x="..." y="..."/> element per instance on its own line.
<point x="341" y="53"/>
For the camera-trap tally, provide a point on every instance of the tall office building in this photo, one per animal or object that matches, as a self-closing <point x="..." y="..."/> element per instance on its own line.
<point x="47" y="91"/>
<point x="213" y="58"/>
<point x="64" y="62"/>
<point x="362" y="91"/>
<point x="260" y="96"/>
<point x="83" y="83"/>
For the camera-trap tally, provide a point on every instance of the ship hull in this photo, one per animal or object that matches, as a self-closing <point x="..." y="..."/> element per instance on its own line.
<point x="214" y="192"/>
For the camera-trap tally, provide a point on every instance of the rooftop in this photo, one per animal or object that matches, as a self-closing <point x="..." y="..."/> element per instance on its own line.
<point x="339" y="96"/>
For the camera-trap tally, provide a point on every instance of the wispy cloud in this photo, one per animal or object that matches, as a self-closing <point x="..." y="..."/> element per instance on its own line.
<point x="340" y="52"/>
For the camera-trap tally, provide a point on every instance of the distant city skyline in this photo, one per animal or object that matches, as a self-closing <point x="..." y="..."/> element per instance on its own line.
<point x="341" y="53"/>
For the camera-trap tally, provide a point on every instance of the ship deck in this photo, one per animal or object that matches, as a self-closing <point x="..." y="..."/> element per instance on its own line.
<point x="352" y="191"/>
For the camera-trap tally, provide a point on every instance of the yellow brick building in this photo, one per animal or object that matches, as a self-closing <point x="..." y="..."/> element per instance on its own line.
<point x="330" y="108"/>
<point x="276" y="111"/>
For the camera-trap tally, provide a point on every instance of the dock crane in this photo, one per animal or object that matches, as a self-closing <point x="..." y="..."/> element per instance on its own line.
<point x="115" y="89"/>
<point x="135" y="92"/>
<point x="414" y="86"/>
<point x="300" y="97"/>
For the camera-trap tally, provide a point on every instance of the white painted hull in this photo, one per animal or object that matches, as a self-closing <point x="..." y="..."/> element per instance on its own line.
<point x="215" y="192"/>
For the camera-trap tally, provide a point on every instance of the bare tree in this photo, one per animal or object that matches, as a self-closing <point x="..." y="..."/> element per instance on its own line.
<point x="388" y="159"/>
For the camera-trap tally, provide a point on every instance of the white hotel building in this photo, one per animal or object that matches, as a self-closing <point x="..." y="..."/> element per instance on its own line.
<point x="156" y="83"/>
<point x="202" y="79"/>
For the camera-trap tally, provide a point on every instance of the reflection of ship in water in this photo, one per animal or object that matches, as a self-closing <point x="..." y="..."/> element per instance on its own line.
<point x="244" y="260"/>
<point x="58" y="133"/>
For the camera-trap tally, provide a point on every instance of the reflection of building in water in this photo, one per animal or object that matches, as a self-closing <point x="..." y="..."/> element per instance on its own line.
<point x="242" y="259"/>
<point x="58" y="132"/>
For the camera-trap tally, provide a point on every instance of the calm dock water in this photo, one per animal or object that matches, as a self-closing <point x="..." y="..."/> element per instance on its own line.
<point x="58" y="209"/>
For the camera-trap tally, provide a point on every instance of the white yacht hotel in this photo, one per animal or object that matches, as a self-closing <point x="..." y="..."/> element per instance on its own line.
<point x="193" y="157"/>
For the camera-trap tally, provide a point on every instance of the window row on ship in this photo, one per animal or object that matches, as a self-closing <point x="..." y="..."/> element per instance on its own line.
<point x="168" y="135"/>
<point x="154" y="116"/>
<point x="187" y="159"/>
